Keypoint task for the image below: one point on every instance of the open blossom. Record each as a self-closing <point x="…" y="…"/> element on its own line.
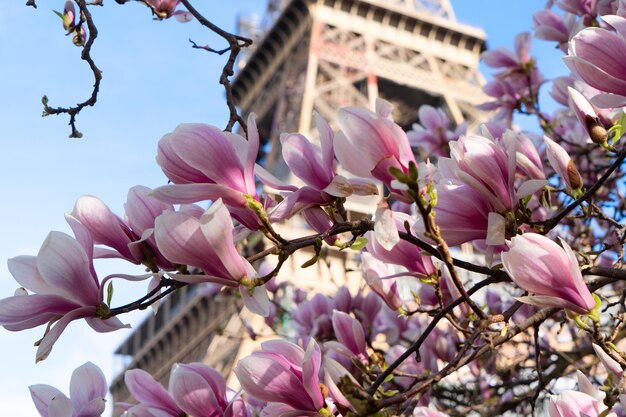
<point x="370" y="143"/>
<point x="377" y="276"/>
<point x="313" y="317"/>
<point x="88" y="389"/>
<point x="462" y="214"/>
<point x="205" y="163"/>
<point x="403" y="253"/>
<point x="547" y="271"/>
<point x="315" y="166"/>
<point x="200" y="391"/>
<point x="131" y="239"/>
<point x="65" y="288"/>
<point x="507" y="59"/>
<point x="592" y="57"/>
<point x="285" y="376"/>
<point x="505" y="99"/>
<point x="152" y="397"/>
<point x="432" y="134"/>
<point x="207" y="242"/>
<point x="550" y="26"/>
<point x="487" y="167"/>
<point x="195" y="389"/>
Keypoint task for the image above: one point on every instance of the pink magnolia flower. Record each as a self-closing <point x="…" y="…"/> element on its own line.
<point x="549" y="272"/>
<point x="195" y="389"/>
<point x="573" y="404"/>
<point x="370" y="143"/>
<point x="428" y="412"/>
<point x="401" y="253"/>
<point x="285" y="376"/>
<point x="366" y="308"/>
<point x="315" y="166"/>
<point x="65" y="288"/>
<point x="133" y="238"/>
<point x="433" y="134"/>
<point x="165" y="9"/>
<point x="380" y="280"/>
<point x="578" y="7"/>
<point x="152" y="397"/>
<point x="610" y="364"/>
<point x="507" y="59"/>
<point x="550" y="26"/>
<point x="462" y="213"/>
<point x="411" y="366"/>
<point x="592" y="57"/>
<point x="518" y="78"/>
<point x="88" y="389"/>
<point x="313" y="317"/>
<point x="205" y="163"/>
<point x="486" y="166"/>
<point x="200" y="391"/>
<point x="69" y="16"/>
<point x="349" y="333"/>
<point x="207" y="242"/>
<point x="505" y="99"/>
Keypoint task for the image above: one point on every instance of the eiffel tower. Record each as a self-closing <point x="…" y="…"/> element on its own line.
<point x="317" y="55"/>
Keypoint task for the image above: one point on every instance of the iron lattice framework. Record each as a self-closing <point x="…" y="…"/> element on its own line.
<point x="324" y="54"/>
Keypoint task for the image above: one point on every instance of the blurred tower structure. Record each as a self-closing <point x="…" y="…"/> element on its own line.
<point x="316" y="55"/>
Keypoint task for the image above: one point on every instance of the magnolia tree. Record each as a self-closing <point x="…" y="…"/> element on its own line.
<point x="535" y="320"/>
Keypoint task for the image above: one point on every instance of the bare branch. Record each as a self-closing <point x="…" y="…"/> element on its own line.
<point x="85" y="17"/>
<point x="235" y="43"/>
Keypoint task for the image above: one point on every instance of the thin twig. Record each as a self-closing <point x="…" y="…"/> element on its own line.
<point x="553" y="221"/>
<point x="97" y="74"/>
<point x="235" y="43"/>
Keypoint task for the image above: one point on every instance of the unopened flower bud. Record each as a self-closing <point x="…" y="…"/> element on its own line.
<point x="575" y="180"/>
<point x="587" y="115"/>
<point x="597" y="132"/>
<point x="68" y="17"/>
<point x="80" y="36"/>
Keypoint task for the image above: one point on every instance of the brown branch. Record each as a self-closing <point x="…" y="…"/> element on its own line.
<point x="613" y="273"/>
<point x="147" y="300"/>
<point x="457" y="262"/>
<point x="235" y="43"/>
<point x="85" y="17"/>
<point x="414" y="348"/>
<point x="462" y="359"/>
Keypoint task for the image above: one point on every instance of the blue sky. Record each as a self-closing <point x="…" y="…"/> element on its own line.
<point x="152" y="82"/>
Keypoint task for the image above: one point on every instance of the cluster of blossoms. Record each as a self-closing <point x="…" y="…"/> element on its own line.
<point x="389" y="347"/>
